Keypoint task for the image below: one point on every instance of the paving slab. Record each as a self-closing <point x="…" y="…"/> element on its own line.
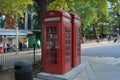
<point x="82" y="76"/>
<point x="104" y="71"/>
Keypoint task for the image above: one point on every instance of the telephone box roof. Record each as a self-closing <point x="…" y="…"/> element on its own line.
<point x="53" y="13"/>
<point x="73" y="14"/>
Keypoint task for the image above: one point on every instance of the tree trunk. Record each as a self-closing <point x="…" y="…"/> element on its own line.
<point x="95" y="30"/>
<point x="41" y="7"/>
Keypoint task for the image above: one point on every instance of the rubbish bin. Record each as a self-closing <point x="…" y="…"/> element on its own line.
<point x="23" y="70"/>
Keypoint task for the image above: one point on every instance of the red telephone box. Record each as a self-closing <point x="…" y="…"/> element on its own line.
<point x="56" y="49"/>
<point x="76" y="39"/>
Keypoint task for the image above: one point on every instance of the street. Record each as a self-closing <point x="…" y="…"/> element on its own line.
<point x="105" y="50"/>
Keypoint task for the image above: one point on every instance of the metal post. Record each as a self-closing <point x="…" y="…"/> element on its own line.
<point x="17" y="33"/>
<point x="34" y="51"/>
<point x="17" y="38"/>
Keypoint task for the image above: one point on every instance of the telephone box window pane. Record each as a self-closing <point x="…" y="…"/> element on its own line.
<point x="55" y="58"/>
<point x="68" y="47"/>
<point x="55" y="29"/>
<point x="77" y="41"/>
<point x="47" y="29"/>
<point x="67" y="29"/>
<point x="67" y="38"/>
<point x="51" y="44"/>
<point x="68" y="53"/>
<point x="67" y="41"/>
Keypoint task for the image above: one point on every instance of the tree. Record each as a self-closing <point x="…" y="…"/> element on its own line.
<point x="113" y="16"/>
<point x="91" y="11"/>
<point x="41" y="6"/>
<point x="12" y="7"/>
<point x="94" y="13"/>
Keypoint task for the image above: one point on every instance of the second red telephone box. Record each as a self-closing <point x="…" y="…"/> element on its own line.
<point x="56" y="41"/>
<point x="76" y="39"/>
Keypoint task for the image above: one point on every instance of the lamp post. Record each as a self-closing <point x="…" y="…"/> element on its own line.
<point x="17" y="33"/>
<point x="17" y="38"/>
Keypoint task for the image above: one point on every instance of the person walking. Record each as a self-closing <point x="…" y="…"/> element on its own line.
<point x="108" y="38"/>
<point x="38" y="44"/>
<point x="98" y="39"/>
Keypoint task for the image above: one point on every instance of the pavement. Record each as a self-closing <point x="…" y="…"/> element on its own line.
<point x="89" y="44"/>
<point x="99" y="68"/>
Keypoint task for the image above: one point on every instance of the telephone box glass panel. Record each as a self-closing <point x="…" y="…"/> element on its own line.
<point x="51" y="45"/>
<point x="77" y="41"/>
<point x="67" y="38"/>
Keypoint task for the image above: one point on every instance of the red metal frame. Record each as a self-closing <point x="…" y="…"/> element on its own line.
<point x="76" y="39"/>
<point x="56" y="51"/>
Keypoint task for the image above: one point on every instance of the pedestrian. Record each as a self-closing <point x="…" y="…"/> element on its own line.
<point x="38" y="44"/>
<point x="20" y="46"/>
<point x="108" y="38"/>
<point x="118" y="36"/>
<point x="98" y="39"/>
<point x="83" y="40"/>
<point x="115" y="40"/>
<point x="5" y="47"/>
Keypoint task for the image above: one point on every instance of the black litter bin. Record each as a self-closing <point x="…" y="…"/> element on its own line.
<point x="23" y="70"/>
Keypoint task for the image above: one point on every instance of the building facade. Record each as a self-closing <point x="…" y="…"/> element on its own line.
<point x="9" y="33"/>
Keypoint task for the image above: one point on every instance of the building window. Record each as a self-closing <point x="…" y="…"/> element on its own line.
<point x="2" y="21"/>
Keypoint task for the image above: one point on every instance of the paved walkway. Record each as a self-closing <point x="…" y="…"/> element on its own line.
<point x="99" y="70"/>
<point x="95" y="43"/>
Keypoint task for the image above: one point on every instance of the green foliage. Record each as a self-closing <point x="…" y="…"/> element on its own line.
<point x="14" y="6"/>
<point x="86" y="12"/>
<point x="113" y="1"/>
<point x="91" y="12"/>
<point x="117" y="7"/>
<point x="58" y="4"/>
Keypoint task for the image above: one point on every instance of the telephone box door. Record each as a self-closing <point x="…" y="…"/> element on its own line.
<point x="51" y="48"/>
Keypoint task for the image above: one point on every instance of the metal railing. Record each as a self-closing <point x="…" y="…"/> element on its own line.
<point x="8" y="59"/>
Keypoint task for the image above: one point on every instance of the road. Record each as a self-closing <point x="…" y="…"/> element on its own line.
<point x="105" y="50"/>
